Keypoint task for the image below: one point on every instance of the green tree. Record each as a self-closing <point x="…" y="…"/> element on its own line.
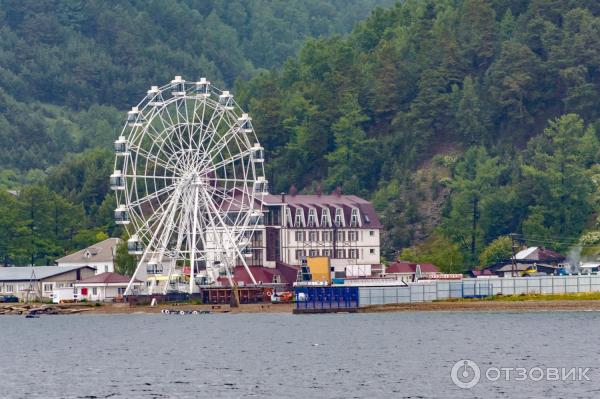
<point x="557" y="180"/>
<point x="124" y="263"/>
<point x="497" y="251"/>
<point x="470" y="117"/>
<point x="438" y="250"/>
<point x="475" y="178"/>
<point x="354" y="158"/>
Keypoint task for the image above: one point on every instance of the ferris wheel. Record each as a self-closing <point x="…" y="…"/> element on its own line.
<point x="188" y="179"/>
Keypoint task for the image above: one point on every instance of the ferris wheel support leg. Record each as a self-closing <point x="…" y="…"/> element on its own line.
<point x="193" y="243"/>
<point x="232" y="240"/>
<point x="150" y="244"/>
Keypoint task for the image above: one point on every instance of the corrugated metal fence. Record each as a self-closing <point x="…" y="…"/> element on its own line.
<point x="477" y="288"/>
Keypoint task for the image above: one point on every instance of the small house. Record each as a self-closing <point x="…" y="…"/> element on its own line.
<point x="33" y="283"/>
<point x="407" y="271"/>
<point x="103" y="287"/>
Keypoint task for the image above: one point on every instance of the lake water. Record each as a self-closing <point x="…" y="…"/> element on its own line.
<point x="391" y="355"/>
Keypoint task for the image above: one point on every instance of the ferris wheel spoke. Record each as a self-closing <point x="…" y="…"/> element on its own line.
<point x="151" y="196"/>
<point x="151" y="158"/>
<point x="216" y="115"/>
<point x="232" y="159"/>
<point x="165" y="143"/>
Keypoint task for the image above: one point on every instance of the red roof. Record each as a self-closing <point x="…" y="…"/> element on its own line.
<point x="287" y="274"/>
<point x="107" y="278"/>
<point x="408" y="267"/>
<point x="549" y="255"/>
<point x="484" y="272"/>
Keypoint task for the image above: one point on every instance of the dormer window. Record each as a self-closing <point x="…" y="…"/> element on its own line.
<point x="355" y="218"/>
<point x="299" y="218"/>
<point x="312" y="218"/>
<point x="339" y="217"/>
<point x="325" y="218"/>
<point x="288" y="217"/>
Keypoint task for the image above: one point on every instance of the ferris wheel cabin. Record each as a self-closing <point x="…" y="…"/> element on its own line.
<point x="261" y="186"/>
<point x="226" y="100"/>
<point x="245" y="123"/>
<point x="117" y="181"/>
<point x="134" y="246"/>
<point x="122" y="215"/>
<point x="178" y="88"/>
<point x="257" y="153"/>
<point x="121" y="146"/>
<point x="134" y="117"/>
<point x="202" y="88"/>
<point x="153" y="96"/>
<point x="153" y="267"/>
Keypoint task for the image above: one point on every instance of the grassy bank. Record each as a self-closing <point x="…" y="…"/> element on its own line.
<point x="582" y="296"/>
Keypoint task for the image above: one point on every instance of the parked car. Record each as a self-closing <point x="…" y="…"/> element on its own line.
<point x="532" y="271"/>
<point x="8" y="298"/>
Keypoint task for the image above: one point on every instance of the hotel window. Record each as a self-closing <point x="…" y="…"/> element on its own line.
<point x="341" y="254"/>
<point x="339" y="217"/>
<point x="353" y="253"/>
<point x="299" y="218"/>
<point x="47" y="287"/>
<point x="313" y="252"/>
<point x="354" y="218"/>
<point x="300" y="254"/>
<point x="313" y="236"/>
<point x="312" y="218"/>
<point x="353" y="235"/>
<point x="300" y="236"/>
<point x="327" y="252"/>
<point x="326" y="236"/>
<point x="341" y="236"/>
<point x="325" y="218"/>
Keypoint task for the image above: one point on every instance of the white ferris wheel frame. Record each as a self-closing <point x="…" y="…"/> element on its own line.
<point x="188" y="179"/>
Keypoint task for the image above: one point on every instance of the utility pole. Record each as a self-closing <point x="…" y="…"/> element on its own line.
<point x="514" y="258"/>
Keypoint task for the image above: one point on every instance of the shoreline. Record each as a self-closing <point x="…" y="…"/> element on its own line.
<point x="490" y="306"/>
<point x="287" y="308"/>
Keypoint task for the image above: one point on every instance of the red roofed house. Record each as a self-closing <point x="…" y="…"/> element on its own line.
<point x="103" y="287"/>
<point x="283" y="274"/>
<point x="406" y="271"/>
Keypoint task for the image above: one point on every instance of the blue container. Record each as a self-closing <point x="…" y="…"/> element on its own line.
<point x="326" y="297"/>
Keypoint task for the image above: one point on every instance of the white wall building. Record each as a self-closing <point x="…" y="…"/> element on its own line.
<point x="103" y="287"/>
<point x="100" y="256"/>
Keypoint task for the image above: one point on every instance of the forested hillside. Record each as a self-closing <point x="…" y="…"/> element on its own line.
<point x="67" y="66"/>
<point x="463" y="120"/>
